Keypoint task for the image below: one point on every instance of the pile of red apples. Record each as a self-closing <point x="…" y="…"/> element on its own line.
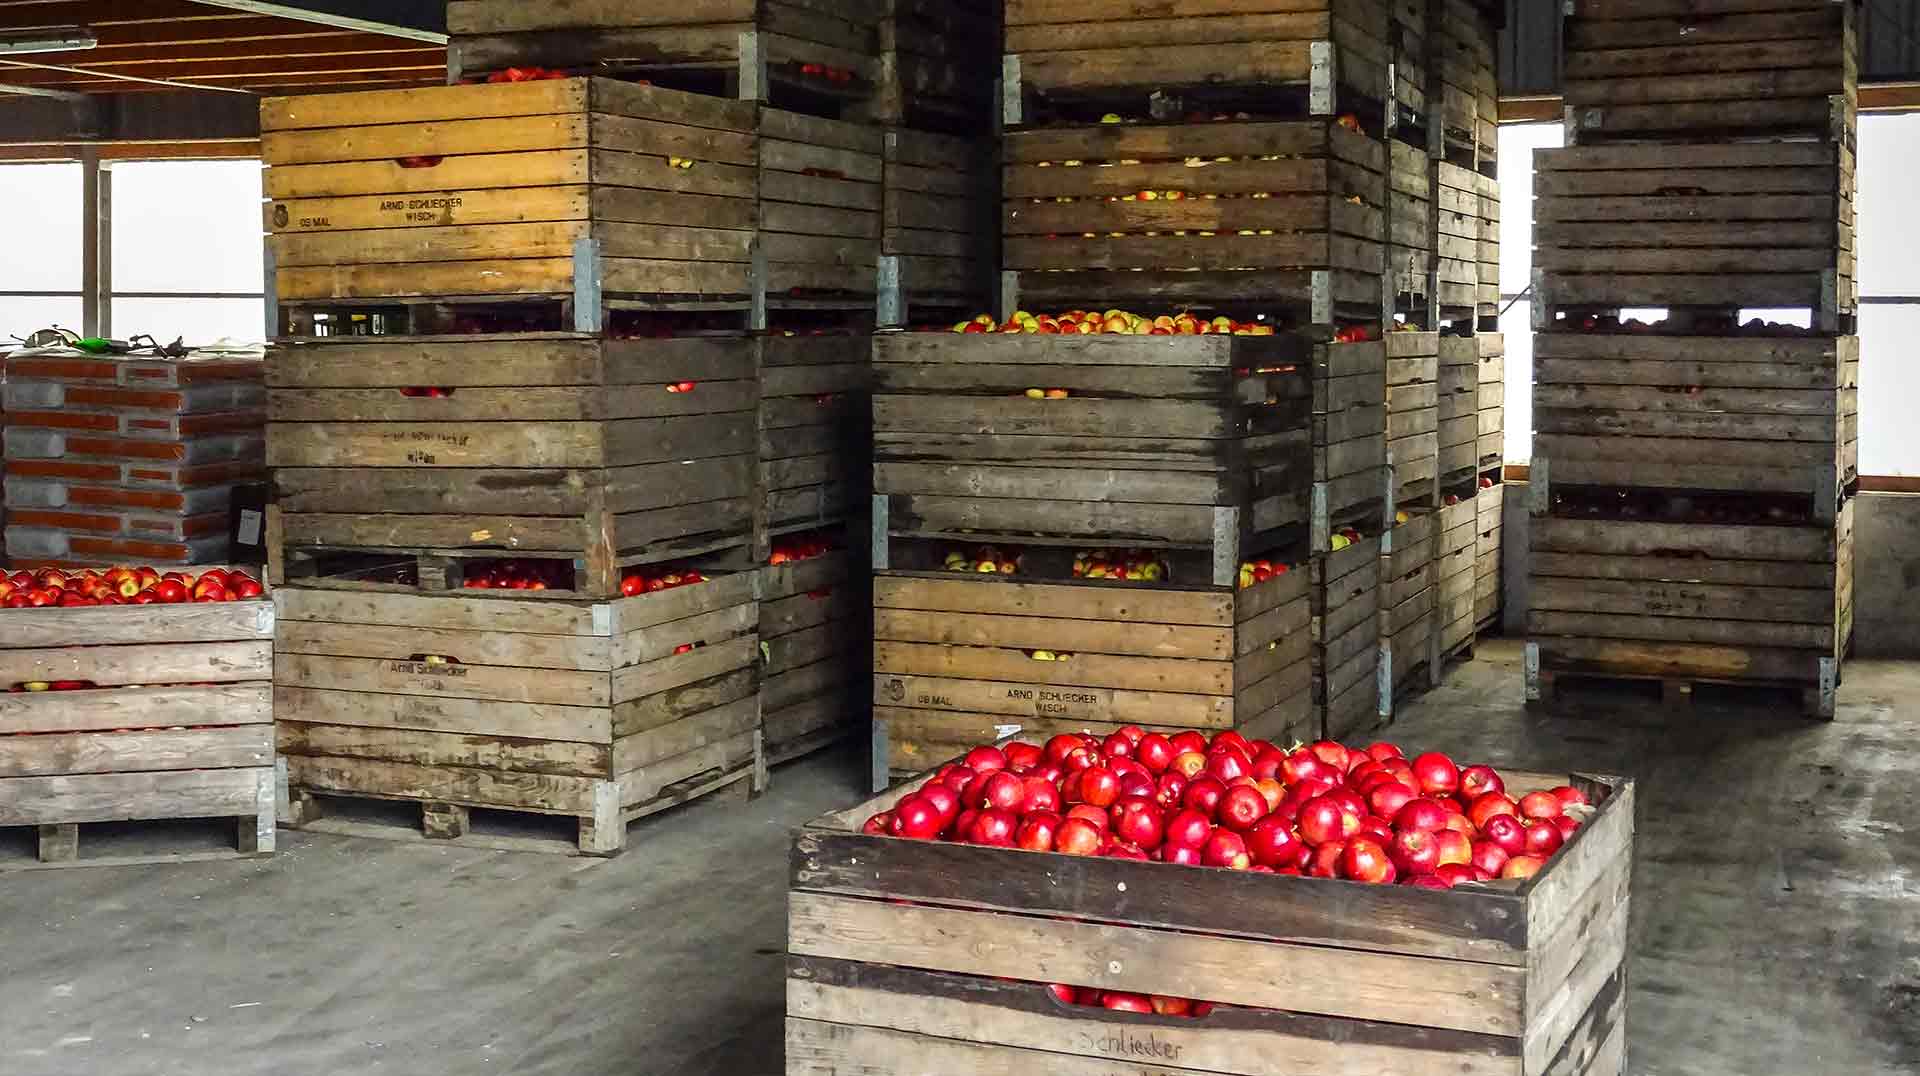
<point x="1322" y="810"/>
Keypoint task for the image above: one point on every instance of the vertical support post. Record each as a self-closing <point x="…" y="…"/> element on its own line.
<point x="757" y="315"/>
<point x="1322" y="96"/>
<point x="882" y="511"/>
<point x="59" y="843"/>
<point x="589" y="306"/>
<point x="604" y="832"/>
<point x="877" y="772"/>
<point x="270" y="295"/>
<point x="1009" y="293"/>
<point x="1226" y="546"/>
<point x="256" y="830"/>
<point x="753" y="67"/>
<point x="1320" y="525"/>
<point x="1531" y="667"/>
<point x="1829" y="685"/>
<point x="1012" y="103"/>
<point x="96" y="244"/>
<point x="1383" y="682"/>
<point x="1539" y="487"/>
<point x="1322" y="301"/>
<point x="456" y="62"/>
<point x="892" y="307"/>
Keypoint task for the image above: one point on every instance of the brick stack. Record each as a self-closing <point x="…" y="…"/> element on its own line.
<point x="128" y="459"/>
<point x="1691" y="498"/>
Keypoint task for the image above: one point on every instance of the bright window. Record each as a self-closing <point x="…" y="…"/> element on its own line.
<point x="42" y="245"/>
<point x="188" y="258"/>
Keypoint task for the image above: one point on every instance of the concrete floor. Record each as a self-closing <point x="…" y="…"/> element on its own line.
<point x="1776" y="919"/>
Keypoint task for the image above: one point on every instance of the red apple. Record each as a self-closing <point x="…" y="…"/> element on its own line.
<point x="879" y="825"/>
<point x="1366" y="861"/>
<point x="1116" y="746"/>
<point x="1568" y="826"/>
<point x="1331" y="753"/>
<point x="1189" y="740"/>
<point x="1154" y="752"/>
<point x="1039" y="794"/>
<point x="1267" y="764"/>
<point x="1078" y="837"/>
<point x="1383" y="751"/>
<point x="1133" y="733"/>
<point x="1388" y="797"/>
<point x="1455" y="847"/>
<point x="1273" y="791"/>
<point x="1325" y="862"/>
<point x="1420" y="814"/>
<point x="1505" y="830"/>
<point x="1241" y="807"/>
<point x="1086" y="812"/>
<point x="1234" y="740"/>
<point x="942" y="798"/>
<point x="1540" y="805"/>
<point x="1477" y="781"/>
<point x="1322" y="821"/>
<point x="996" y="827"/>
<point x="1489" y="805"/>
<point x="1189" y="764"/>
<point x="1003" y="791"/>
<point x="1171" y="792"/>
<point x="1204" y="794"/>
<point x="1301" y="765"/>
<point x="1437" y="774"/>
<point x="917" y="819"/>
<point x="1099" y="787"/>
<point x="985" y="760"/>
<point x="1543" y="837"/>
<point x="1138" y="822"/>
<point x="1228" y="763"/>
<point x="1023" y="756"/>
<point x="1522" y="867"/>
<point x="1061" y="746"/>
<point x="1272" y="844"/>
<point x="1413" y="851"/>
<point x="1171" y="1006"/>
<point x="1570" y="796"/>
<point x="1226" y="849"/>
<point x="1037" y="831"/>
<point x="1189" y="829"/>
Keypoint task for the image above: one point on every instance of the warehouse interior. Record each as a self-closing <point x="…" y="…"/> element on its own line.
<point x="290" y="190"/>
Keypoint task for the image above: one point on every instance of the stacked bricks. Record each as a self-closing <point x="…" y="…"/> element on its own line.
<point x="116" y="459"/>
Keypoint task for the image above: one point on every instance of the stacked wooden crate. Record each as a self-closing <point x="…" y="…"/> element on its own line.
<point x="820" y="210"/>
<point x="1351" y="507"/>
<point x="111" y="459"/>
<point x="1464" y="89"/>
<point x="939" y="227"/>
<point x="922" y="957"/>
<point x="1467" y="254"/>
<point x="756" y="50"/>
<point x="1192" y="449"/>
<point x="1457" y="534"/>
<point x="814" y="610"/>
<point x="935" y="70"/>
<point x="155" y="712"/>
<point x="1692" y="477"/>
<point x="517" y="488"/>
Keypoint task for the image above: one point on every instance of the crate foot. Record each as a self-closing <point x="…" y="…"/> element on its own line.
<point x="59" y="843"/>
<point x="445" y="821"/>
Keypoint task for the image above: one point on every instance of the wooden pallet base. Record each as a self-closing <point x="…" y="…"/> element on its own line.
<point x="818" y="740"/>
<point x="452" y="823"/>
<point x="58" y="846"/>
<point x="1676" y="693"/>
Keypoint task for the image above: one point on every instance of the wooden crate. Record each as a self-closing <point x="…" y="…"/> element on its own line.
<point x="936" y="70"/>
<point x="1682" y="412"/>
<point x="939" y="224"/>
<point x="1409" y="598"/>
<point x="1463" y="88"/>
<point x="1411" y="231"/>
<point x="179" y="726"/>
<point x="1413" y="416"/>
<point x="915" y="956"/>
<point x="953" y="661"/>
<point x="576" y="709"/>
<point x="1736" y="68"/>
<point x="1686" y="602"/>
<point x="755" y="50"/>
<point x="1467" y="248"/>
<point x="820" y="206"/>
<point x="546" y="445"/>
<point x="815" y="443"/>
<point x="1457" y="532"/>
<point x="814" y="624"/>
<point x="1321" y="57"/>
<point x="1746" y="225"/>
<point x="1195" y="442"/>
<point x="1346" y="639"/>
<point x="1492" y="393"/>
<point x="1489" y="525"/>
<point x="1410" y="44"/>
<point x="1351" y="431"/>
<point x="1459" y="408"/>
<point x="1078" y="232"/>
<point x="557" y="188"/>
